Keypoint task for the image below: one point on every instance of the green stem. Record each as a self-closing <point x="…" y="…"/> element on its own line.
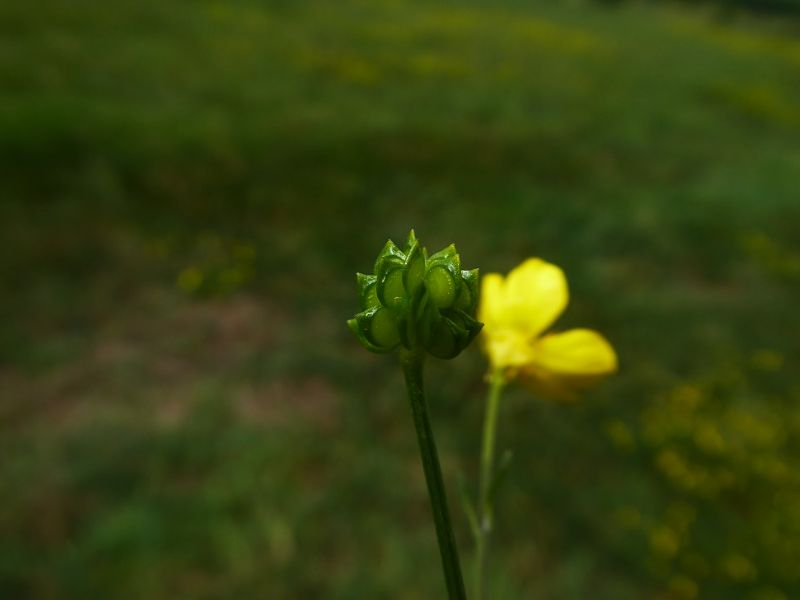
<point x="412" y="370"/>
<point x="485" y="521"/>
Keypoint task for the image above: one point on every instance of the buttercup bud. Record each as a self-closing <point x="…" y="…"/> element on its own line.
<point x="418" y="302"/>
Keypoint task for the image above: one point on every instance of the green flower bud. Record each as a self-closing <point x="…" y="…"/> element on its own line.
<point x="417" y="302"/>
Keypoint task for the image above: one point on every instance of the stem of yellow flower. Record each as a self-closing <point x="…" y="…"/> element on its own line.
<point x="496" y="384"/>
<point x="412" y="370"/>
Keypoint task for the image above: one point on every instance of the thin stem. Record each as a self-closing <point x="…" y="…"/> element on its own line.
<point x="485" y="517"/>
<point x="412" y="370"/>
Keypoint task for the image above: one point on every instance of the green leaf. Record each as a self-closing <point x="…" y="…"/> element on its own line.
<point x="469" y="507"/>
<point x="500" y="473"/>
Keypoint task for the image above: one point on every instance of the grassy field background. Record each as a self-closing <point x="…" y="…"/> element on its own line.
<point x="186" y="191"/>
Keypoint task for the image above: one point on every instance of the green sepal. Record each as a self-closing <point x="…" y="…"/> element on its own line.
<point x="367" y="293"/>
<point x="389" y="272"/>
<point x="390" y="288"/>
<point x="414" y="319"/>
<point x="417" y="301"/>
<point x="469" y="323"/>
<point x="390" y="256"/>
<point x="405" y="328"/>
<point x="455" y="332"/>
<point x="361" y="325"/>
<point x="444" y="342"/>
<point x="355" y="326"/>
<point x="446" y="253"/>
<point x="411" y="240"/>
<point x="468" y="298"/>
<point x="443" y="286"/>
<point x="383" y="331"/>
<point x="428" y="317"/>
<point x="414" y="272"/>
<point x="448" y="257"/>
<point x="445" y="291"/>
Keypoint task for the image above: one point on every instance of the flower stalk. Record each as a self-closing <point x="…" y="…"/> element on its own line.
<point x="486" y="482"/>
<point x="412" y="364"/>
<point x="421" y="304"/>
<point x="516" y="311"/>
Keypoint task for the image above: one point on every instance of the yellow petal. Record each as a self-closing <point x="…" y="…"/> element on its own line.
<point x="564" y="363"/>
<point x="580" y="352"/>
<point x="535" y="294"/>
<point x="507" y="348"/>
<point x="492" y="300"/>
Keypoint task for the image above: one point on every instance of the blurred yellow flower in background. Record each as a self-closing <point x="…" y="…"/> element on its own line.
<point x="516" y="310"/>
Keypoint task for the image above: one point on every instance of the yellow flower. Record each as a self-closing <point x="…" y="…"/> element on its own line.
<point x="517" y="310"/>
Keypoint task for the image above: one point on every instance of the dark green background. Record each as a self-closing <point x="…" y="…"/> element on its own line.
<point x="186" y="191"/>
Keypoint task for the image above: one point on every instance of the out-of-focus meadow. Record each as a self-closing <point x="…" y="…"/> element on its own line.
<point x="186" y="192"/>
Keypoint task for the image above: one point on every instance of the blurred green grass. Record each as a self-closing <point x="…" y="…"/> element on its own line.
<point x="187" y="189"/>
